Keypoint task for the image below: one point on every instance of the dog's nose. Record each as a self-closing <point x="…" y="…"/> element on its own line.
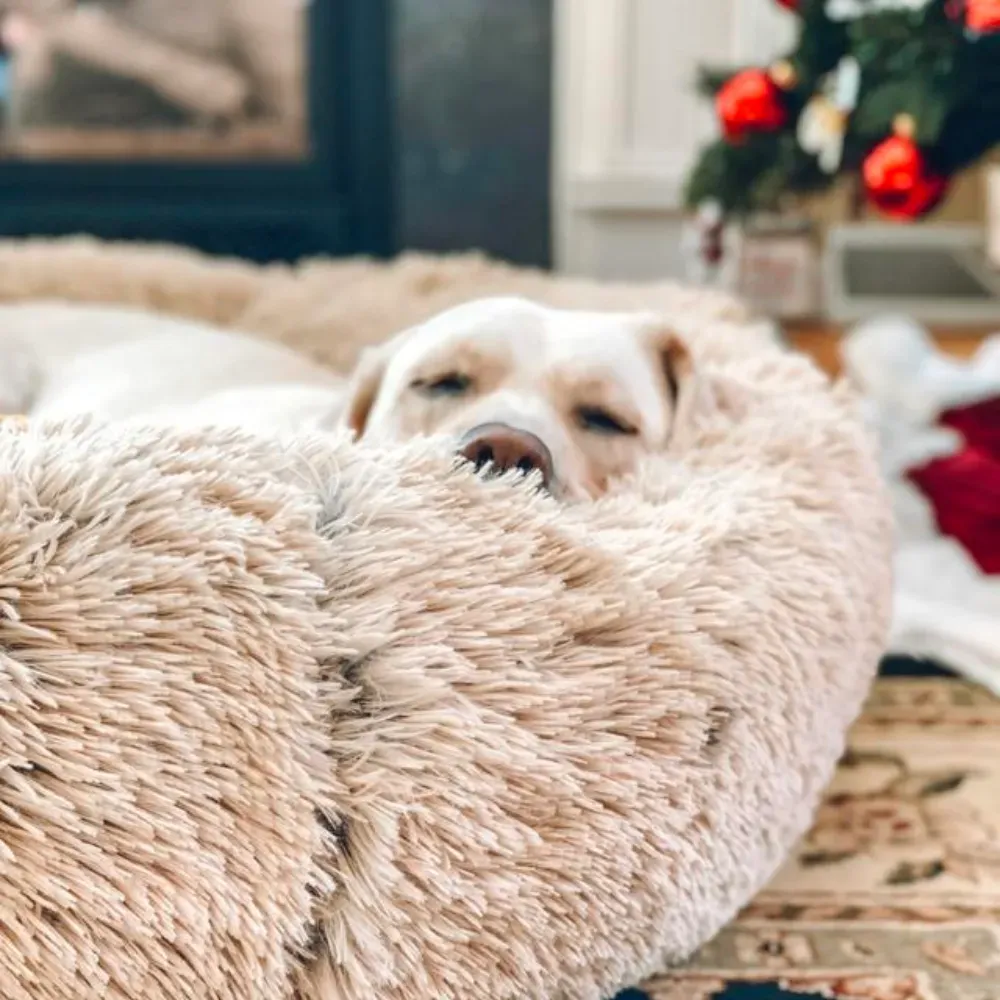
<point x="504" y="448"/>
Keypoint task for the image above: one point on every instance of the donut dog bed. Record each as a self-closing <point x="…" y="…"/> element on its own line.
<point x="311" y="719"/>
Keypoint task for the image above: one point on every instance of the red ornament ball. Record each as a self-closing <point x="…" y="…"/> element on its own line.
<point x="898" y="181"/>
<point x="982" y="16"/>
<point x="750" y="102"/>
<point x="795" y="5"/>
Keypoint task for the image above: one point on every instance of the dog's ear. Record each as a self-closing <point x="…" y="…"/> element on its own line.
<point x="690" y="396"/>
<point x="363" y="388"/>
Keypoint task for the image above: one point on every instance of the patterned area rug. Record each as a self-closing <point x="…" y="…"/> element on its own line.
<point x="895" y="895"/>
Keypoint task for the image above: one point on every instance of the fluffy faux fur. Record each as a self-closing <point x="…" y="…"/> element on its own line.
<point x="307" y="719"/>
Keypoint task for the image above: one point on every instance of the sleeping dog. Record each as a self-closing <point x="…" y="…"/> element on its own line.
<point x="576" y="397"/>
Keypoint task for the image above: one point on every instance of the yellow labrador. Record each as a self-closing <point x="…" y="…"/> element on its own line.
<point x="578" y="397"/>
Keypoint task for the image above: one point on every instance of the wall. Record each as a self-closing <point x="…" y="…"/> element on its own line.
<point x="474" y="125"/>
<point x="629" y="122"/>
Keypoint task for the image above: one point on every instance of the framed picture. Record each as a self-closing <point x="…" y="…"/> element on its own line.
<point x="251" y="127"/>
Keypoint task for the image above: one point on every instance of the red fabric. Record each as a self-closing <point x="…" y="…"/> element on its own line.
<point x="964" y="489"/>
<point x="979" y="424"/>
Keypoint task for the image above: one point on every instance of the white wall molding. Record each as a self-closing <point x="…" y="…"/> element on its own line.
<point x="761" y="31"/>
<point x="656" y="190"/>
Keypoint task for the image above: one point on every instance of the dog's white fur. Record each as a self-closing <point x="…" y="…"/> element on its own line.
<point x="60" y="360"/>
<point x="534" y="368"/>
<point x="540" y="370"/>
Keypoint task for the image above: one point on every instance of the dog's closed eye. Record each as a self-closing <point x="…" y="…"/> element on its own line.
<point x="450" y="384"/>
<point x="597" y="420"/>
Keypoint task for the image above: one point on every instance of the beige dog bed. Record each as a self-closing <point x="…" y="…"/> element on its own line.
<point x="319" y="721"/>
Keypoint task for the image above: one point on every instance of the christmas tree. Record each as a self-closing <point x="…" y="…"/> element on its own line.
<point x="902" y="94"/>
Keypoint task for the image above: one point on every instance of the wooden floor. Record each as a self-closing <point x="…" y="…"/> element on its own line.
<point x="821" y="341"/>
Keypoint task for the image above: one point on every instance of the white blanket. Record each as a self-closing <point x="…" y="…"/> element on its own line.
<point x="945" y="608"/>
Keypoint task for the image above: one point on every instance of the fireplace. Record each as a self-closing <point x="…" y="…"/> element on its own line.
<point x="258" y="128"/>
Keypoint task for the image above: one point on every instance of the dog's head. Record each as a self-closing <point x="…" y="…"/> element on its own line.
<point x="580" y="397"/>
